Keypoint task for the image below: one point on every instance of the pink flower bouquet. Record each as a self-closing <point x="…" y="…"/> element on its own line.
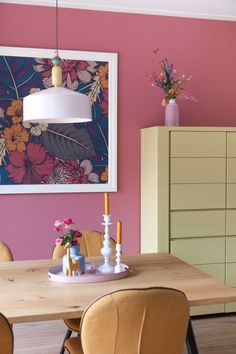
<point x="71" y="236"/>
<point x="171" y="83"/>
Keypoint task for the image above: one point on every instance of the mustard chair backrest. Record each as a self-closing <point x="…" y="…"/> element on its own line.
<point x="6" y="336"/>
<point x="90" y="245"/>
<point x="5" y="252"/>
<point x="145" y="321"/>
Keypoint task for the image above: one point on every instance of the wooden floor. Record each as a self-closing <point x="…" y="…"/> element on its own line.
<point x="214" y="335"/>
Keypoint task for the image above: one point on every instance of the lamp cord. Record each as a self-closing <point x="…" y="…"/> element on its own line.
<point x="56" y="27"/>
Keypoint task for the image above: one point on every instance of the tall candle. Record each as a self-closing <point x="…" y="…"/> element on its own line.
<point x="119" y="230"/>
<point x="106" y="199"/>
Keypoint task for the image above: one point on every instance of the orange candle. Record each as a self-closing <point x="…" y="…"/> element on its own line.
<point x="106" y="199"/>
<point x="119" y="230"/>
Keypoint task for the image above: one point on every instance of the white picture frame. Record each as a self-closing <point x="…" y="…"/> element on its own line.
<point x="66" y="55"/>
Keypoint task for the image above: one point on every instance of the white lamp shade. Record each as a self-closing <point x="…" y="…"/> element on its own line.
<point x="57" y="105"/>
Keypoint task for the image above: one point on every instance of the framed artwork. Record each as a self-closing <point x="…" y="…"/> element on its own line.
<point x="57" y="158"/>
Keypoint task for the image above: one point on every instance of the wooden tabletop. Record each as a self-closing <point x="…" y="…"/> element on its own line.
<point x="27" y="295"/>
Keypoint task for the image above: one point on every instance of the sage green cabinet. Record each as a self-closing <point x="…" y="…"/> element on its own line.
<point x="188" y="199"/>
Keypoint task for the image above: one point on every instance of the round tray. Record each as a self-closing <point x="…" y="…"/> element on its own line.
<point x="92" y="274"/>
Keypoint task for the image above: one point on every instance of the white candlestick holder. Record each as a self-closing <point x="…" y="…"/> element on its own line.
<point x="118" y="267"/>
<point x="106" y="250"/>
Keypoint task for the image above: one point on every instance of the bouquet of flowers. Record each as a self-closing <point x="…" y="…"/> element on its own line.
<point x="71" y="236"/>
<point x="170" y="83"/>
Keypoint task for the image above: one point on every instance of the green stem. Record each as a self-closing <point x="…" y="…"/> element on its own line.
<point x="103" y="136"/>
<point x="27" y="80"/>
<point x="12" y="77"/>
<point x="83" y="88"/>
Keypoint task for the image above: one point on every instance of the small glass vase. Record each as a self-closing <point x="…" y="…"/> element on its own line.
<point x="172" y="113"/>
<point x="75" y="259"/>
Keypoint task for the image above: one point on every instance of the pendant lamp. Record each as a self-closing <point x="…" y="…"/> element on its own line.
<point x="57" y="104"/>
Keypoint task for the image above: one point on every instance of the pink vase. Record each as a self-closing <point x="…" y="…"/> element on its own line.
<point x="172" y="113"/>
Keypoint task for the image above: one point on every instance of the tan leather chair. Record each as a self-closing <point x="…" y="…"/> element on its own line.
<point x="91" y="243"/>
<point x="6" y="336"/>
<point x="132" y="321"/>
<point x="5" y="252"/>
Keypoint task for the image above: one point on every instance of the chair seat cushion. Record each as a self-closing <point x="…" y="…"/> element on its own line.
<point x="73" y="324"/>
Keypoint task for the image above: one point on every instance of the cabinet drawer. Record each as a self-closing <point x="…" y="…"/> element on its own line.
<point x="230" y="222"/>
<point x="230" y="307"/>
<point x="206" y="310"/>
<point x="214" y="270"/>
<point x="200" y="251"/>
<point x="231" y="274"/>
<point x="198" y="144"/>
<point x="231" y="195"/>
<point x="231" y="170"/>
<point x="197" y="223"/>
<point x="231" y="281"/>
<point x="197" y="196"/>
<point x="231" y="144"/>
<point x="230" y="249"/>
<point x="198" y="170"/>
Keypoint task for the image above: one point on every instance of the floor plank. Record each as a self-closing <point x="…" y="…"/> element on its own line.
<point x="39" y="337"/>
<point x="214" y="335"/>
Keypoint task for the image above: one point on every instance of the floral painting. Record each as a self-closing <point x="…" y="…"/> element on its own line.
<point x="40" y="157"/>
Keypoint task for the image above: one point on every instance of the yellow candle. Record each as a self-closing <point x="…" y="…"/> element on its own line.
<point x="119" y="230"/>
<point x="106" y="199"/>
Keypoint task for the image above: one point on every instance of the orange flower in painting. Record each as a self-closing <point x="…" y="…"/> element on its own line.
<point x="16" y="137"/>
<point x="15" y="110"/>
<point x="104" y="175"/>
<point x="103" y="75"/>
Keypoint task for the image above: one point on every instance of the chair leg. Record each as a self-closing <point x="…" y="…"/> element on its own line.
<point x="68" y="334"/>
<point x="190" y="340"/>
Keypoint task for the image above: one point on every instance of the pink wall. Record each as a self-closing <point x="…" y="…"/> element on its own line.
<point x="203" y="48"/>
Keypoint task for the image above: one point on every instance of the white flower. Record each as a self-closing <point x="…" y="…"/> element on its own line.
<point x="34" y="89"/>
<point x="87" y="166"/>
<point x="36" y="129"/>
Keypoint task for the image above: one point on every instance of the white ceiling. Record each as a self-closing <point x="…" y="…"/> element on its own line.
<point x="206" y="9"/>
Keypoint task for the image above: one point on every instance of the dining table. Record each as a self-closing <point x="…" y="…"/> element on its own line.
<point x="28" y="294"/>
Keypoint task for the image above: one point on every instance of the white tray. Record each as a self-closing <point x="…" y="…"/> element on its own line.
<point x="91" y="275"/>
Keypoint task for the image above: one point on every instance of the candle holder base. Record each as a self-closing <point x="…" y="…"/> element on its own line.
<point x="118" y="268"/>
<point x="106" y="268"/>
